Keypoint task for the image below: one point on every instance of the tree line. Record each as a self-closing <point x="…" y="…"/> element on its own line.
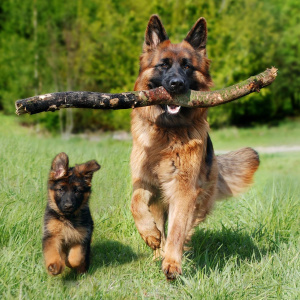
<point x="72" y="45"/>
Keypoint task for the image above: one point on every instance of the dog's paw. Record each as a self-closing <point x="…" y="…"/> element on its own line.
<point x="55" y="268"/>
<point x="153" y="242"/>
<point x="171" y="269"/>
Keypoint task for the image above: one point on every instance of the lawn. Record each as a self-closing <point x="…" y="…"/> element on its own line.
<point x="248" y="248"/>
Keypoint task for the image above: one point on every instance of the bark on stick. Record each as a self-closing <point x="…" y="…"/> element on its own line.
<point x="95" y="100"/>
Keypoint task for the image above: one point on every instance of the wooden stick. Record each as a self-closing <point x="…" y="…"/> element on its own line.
<point x="56" y="101"/>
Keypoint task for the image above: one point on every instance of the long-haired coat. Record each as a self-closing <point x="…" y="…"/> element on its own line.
<point x="175" y="173"/>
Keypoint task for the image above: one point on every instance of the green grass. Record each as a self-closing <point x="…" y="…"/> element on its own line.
<point x="288" y="133"/>
<point x="248" y="248"/>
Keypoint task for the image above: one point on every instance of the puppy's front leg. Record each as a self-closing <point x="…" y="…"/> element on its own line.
<point x="78" y="258"/>
<point x="53" y="260"/>
<point x="143" y="218"/>
<point x="181" y="214"/>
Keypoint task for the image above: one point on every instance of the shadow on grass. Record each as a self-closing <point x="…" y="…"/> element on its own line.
<point x="214" y="249"/>
<point x="104" y="254"/>
<point x="111" y="253"/>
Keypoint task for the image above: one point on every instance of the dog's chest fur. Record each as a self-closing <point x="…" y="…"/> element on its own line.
<point x="165" y="155"/>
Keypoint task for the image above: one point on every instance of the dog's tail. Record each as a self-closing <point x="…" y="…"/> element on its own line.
<point x="236" y="170"/>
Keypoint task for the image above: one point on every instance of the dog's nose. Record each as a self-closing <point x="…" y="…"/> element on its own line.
<point x="176" y="83"/>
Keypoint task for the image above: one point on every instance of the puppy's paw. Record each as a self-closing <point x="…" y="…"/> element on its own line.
<point x="171" y="269"/>
<point x="82" y="269"/>
<point x="55" y="268"/>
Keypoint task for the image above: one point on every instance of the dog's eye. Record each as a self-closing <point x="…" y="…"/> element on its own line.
<point x="186" y="67"/>
<point x="164" y="65"/>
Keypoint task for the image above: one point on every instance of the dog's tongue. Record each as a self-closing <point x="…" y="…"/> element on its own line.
<point x="173" y="109"/>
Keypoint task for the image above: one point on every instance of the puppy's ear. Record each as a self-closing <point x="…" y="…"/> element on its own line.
<point x="87" y="170"/>
<point x="198" y="35"/>
<point x="155" y="34"/>
<point x="59" y="167"/>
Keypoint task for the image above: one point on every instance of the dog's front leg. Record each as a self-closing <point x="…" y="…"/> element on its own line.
<point x="181" y="215"/>
<point x="143" y="218"/>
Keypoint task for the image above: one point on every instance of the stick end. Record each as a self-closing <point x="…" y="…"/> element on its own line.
<point x="274" y="71"/>
<point x="20" y="109"/>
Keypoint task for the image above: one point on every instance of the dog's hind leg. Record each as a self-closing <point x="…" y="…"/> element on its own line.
<point x="143" y="195"/>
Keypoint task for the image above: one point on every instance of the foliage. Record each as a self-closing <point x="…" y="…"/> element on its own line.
<point x="49" y="46"/>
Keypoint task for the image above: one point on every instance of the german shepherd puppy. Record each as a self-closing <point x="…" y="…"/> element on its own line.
<point x="176" y="175"/>
<point x="68" y="224"/>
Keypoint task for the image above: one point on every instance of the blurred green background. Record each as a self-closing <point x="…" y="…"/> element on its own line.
<point x="50" y="46"/>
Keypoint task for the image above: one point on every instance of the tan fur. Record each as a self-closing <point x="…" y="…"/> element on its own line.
<point x="55" y="257"/>
<point x="63" y="230"/>
<point x="166" y="166"/>
<point x="171" y="178"/>
<point x="76" y="258"/>
<point x="54" y="261"/>
<point x="51" y="201"/>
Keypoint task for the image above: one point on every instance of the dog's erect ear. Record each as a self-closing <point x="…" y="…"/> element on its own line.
<point x="155" y="34"/>
<point x="198" y="35"/>
<point x="59" y="167"/>
<point x="87" y="170"/>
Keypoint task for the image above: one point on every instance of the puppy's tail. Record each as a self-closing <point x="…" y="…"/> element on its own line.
<point x="236" y="170"/>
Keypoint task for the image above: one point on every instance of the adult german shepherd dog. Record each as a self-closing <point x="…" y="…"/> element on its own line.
<point x="176" y="175"/>
<point x="68" y="223"/>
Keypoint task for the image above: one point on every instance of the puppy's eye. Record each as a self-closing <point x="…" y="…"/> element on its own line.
<point x="186" y="67"/>
<point x="76" y="191"/>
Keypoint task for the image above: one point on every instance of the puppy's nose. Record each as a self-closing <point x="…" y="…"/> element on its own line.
<point x="68" y="205"/>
